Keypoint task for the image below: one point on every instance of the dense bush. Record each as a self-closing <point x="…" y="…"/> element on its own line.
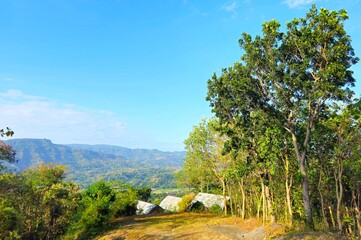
<point x="94" y="210"/>
<point x="102" y="202"/>
<point x="185" y="203"/>
<point x="125" y="203"/>
<point x="144" y="194"/>
<point x="216" y="209"/>
<point x="11" y="222"/>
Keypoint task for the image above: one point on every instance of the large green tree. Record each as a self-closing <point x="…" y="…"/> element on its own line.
<point x="291" y="76"/>
<point x="204" y="160"/>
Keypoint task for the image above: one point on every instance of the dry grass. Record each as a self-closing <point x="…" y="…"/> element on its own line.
<point x="199" y="226"/>
<point x="180" y="226"/>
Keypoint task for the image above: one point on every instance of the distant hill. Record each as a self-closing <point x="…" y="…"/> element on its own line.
<point x="89" y="163"/>
<point x="152" y="157"/>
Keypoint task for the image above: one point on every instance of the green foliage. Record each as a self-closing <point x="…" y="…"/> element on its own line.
<point x="185" y="203"/>
<point x="144" y="194"/>
<point x="99" y="190"/>
<point x="6" y="132"/>
<point x="44" y="175"/>
<point x="286" y="83"/>
<point x="100" y="203"/>
<point x="11" y="223"/>
<point x="216" y="209"/>
<point x="38" y="201"/>
<point x="204" y="165"/>
<point x="95" y="215"/>
<point x="125" y="203"/>
<point x="95" y="210"/>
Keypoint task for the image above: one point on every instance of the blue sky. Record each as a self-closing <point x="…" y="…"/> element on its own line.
<point x="125" y="72"/>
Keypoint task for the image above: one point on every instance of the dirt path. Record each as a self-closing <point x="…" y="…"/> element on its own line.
<point x="185" y="226"/>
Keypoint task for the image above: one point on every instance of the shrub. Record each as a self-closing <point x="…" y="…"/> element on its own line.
<point x="10" y="222"/>
<point x="216" y="209"/>
<point x="125" y="203"/>
<point x="94" y="212"/>
<point x="185" y="203"/>
<point x="144" y="194"/>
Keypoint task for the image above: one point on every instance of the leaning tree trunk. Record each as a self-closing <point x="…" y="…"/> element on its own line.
<point x="302" y="165"/>
<point x="331" y="216"/>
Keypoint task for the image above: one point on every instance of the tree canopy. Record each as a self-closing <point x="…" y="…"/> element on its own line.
<point x="293" y="77"/>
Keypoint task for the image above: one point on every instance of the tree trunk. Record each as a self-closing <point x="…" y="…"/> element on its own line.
<point x="348" y="226"/>
<point x="306" y="197"/>
<point x="269" y="205"/>
<point x="224" y="197"/>
<point x="357" y="213"/>
<point x="289" y="203"/>
<point x="202" y="186"/>
<point x="331" y="215"/>
<point x="243" y="199"/>
<point x="259" y="202"/>
<point x="250" y="202"/>
<point x="322" y="202"/>
<point x="302" y="164"/>
<point x="230" y="194"/>
<point x="288" y="185"/>
<point x="264" y="206"/>
<point x="339" y="194"/>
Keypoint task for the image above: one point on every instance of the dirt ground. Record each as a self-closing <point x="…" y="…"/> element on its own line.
<point x="202" y="227"/>
<point x="189" y="226"/>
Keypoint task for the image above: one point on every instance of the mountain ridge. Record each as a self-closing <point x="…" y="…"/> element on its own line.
<point x="89" y="163"/>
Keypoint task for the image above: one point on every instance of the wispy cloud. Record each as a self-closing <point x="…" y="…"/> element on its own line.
<point x="39" y="117"/>
<point x="17" y="94"/>
<point x="230" y="7"/>
<point x="194" y="9"/>
<point x="297" y="3"/>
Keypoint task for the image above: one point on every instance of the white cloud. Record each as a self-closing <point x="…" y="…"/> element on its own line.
<point x="230" y="7"/>
<point x="38" y="117"/>
<point x="17" y="94"/>
<point x="297" y="3"/>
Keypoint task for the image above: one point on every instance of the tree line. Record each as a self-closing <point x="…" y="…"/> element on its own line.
<point x="285" y="140"/>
